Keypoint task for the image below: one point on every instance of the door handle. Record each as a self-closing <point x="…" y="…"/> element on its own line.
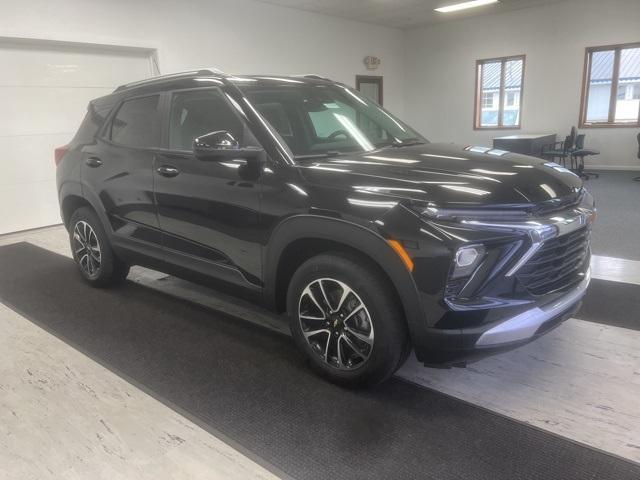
<point x="93" y="162"/>
<point x="168" y="171"/>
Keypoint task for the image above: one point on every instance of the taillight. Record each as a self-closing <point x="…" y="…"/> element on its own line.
<point x="59" y="153"/>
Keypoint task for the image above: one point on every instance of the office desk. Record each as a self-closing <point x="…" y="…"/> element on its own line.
<point x="530" y="144"/>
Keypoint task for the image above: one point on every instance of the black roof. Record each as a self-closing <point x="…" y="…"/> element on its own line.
<point x="198" y="78"/>
<point x="214" y="75"/>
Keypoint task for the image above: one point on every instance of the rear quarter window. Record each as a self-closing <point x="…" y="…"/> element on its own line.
<point x="93" y="121"/>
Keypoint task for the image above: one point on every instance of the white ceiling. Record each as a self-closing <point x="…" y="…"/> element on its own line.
<point x="400" y="13"/>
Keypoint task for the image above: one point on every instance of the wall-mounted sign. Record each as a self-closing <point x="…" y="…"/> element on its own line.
<point x="371" y="62"/>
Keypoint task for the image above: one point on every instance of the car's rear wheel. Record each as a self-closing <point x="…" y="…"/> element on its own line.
<point x="92" y="252"/>
<point x="345" y="317"/>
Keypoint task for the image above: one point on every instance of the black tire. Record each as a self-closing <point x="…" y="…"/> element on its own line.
<point x="108" y="269"/>
<point x="388" y="333"/>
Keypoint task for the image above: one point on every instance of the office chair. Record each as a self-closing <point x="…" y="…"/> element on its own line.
<point x="637" y="179"/>
<point x="559" y="150"/>
<point x="579" y="152"/>
<point x="574" y="133"/>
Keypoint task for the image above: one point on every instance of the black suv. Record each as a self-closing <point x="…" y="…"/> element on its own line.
<point x="305" y="195"/>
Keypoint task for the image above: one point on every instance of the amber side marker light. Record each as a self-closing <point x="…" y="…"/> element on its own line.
<point x="402" y="253"/>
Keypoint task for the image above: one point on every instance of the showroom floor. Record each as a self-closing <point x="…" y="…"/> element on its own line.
<point x="163" y="381"/>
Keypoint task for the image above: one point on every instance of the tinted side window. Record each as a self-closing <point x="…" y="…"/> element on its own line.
<point x="197" y="112"/>
<point x="136" y="123"/>
<point x="93" y="120"/>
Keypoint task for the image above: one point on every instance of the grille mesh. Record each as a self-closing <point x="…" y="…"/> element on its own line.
<point x="559" y="263"/>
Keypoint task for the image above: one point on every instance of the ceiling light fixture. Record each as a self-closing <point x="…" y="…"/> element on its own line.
<point x="464" y="5"/>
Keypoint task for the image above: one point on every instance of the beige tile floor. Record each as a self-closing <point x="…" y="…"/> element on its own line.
<point x="582" y="381"/>
<point x="64" y="416"/>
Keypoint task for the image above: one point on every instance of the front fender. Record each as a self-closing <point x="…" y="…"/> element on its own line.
<point x="357" y="237"/>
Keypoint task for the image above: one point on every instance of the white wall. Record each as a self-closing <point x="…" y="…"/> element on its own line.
<point x="238" y="36"/>
<point x="440" y="71"/>
<point x="44" y="93"/>
<point x="428" y="72"/>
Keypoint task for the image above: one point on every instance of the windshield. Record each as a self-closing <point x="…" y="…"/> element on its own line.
<point x="319" y="120"/>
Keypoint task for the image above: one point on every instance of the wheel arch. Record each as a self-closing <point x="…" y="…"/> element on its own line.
<point x="70" y="204"/>
<point x="302" y="236"/>
<point x="74" y="196"/>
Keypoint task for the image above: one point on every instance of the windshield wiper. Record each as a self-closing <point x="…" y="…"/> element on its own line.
<point x="318" y="155"/>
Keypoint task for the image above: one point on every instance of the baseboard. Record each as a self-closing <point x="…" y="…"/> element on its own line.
<point x="28" y="230"/>
<point x="628" y="168"/>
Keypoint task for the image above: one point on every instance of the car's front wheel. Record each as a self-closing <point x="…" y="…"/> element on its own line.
<point x="345" y="317"/>
<point x="92" y="252"/>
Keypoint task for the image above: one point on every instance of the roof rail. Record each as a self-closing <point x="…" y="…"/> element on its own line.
<point x="171" y="76"/>
<point x="212" y="71"/>
<point x="317" y="77"/>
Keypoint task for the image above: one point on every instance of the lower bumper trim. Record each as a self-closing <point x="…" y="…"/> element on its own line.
<point x="526" y="324"/>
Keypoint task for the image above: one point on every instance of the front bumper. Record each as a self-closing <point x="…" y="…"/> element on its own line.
<point x="461" y="346"/>
<point x="525" y="325"/>
<point x="532" y="276"/>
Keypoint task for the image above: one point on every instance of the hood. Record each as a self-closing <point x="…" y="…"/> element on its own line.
<point x="446" y="175"/>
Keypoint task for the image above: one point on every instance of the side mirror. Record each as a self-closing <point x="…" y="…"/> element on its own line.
<point x="220" y="146"/>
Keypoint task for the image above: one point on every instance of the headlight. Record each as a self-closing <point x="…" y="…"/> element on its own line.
<point x="467" y="260"/>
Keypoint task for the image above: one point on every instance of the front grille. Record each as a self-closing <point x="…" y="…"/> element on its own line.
<point x="559" y="263"/>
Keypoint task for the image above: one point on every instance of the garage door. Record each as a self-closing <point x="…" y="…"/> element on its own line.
<point x="44" y="91"/>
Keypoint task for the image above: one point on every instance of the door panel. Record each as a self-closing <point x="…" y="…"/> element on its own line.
<point x="123" y="184"/>
<point x="207" y="210"/>
<point x="120" y="176"/>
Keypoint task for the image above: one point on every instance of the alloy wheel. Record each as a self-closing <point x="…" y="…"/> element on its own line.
<point x="87" y="249"/>
<point x="336" y="324"/>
